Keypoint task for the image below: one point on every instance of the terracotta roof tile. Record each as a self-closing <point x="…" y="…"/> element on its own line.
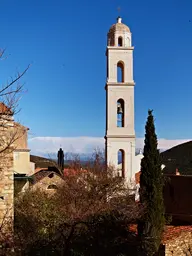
<point x="4" y="109"/>
<point x="171" y="232"/>
<point x="42" y="173"/>
<point x="137" y="177"/>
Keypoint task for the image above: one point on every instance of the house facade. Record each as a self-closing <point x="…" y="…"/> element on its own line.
<point x="21" y="152"/>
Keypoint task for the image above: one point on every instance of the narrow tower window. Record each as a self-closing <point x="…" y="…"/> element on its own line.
<point x="120" y="41"/>
<point x="120" y="72"/>
<point x="120" y="113"/>
<point x="121" y="163"/>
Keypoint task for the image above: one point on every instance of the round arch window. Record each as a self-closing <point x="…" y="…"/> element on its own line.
<point x="52" y="186"/>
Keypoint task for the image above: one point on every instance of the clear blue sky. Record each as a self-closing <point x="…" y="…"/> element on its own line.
<point x="66" y="40"/>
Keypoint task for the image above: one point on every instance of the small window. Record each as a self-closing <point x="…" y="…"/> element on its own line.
<point x="52" y="186"/>
<point x="120" y="41"/>
<point x="51" y="175"/>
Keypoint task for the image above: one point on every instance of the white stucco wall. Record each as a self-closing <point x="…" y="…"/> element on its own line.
<point x="120" y="137"/>
<point x="114" y="56"/>
<point x="22" y="162"/>
<point x="126" y="144"/>
<point x="114" y="93"/>
<point x="32" y="167"/>
<point x="137" y="162"/>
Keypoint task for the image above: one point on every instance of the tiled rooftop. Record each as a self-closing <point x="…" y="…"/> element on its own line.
<point x="170" y="233"/>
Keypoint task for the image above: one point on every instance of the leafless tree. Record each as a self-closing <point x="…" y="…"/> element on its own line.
<point x="10" y="132"/>
<point x="6" y="235"/>
<point x="88" y="204"/>
<point x="10" y="93"/>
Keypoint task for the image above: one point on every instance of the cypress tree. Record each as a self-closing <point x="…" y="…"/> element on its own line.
<point x="151" y="225"/>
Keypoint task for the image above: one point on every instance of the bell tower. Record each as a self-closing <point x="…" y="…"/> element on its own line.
<point x="120" y="132"/>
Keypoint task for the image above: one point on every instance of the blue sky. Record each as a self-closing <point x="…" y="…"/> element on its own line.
<point x="66" y="40"/>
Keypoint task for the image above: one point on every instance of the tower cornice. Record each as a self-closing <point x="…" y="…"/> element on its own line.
<point x="119" y="136"/>
<point x="120" y="48"/>
<point x="109" y="48"/>
<point x="119" y="85"/>
<point x="22" y="150"/>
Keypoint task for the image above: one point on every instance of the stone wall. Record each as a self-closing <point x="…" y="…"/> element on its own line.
<point x="180" y="245"/>
<point x="6" y="176"/>
<point x="6" y="203"/>
<point x="6" y="186"/>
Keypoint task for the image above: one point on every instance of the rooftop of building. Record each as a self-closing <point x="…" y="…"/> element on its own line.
<point x="170" y="232"/>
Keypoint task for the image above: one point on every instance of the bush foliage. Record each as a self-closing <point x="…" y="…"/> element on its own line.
<point x="89" y="214"/>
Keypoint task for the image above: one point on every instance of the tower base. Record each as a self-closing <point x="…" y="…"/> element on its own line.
<point x="125" y="167"/>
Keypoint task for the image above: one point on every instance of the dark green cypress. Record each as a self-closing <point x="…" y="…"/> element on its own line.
<point x="151" y="225"/>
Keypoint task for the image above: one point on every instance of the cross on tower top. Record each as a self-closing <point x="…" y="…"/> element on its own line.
<point x="119" y="19"/>
<point x="119" y="10"/>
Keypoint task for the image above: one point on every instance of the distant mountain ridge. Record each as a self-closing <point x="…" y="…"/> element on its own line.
<point x="41" y="162"/>
<point x="179" y="157"/>
<point x="48" y="146"/>
<point x="44" y="162"/>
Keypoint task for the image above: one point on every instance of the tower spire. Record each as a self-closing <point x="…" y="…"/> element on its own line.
<point x="119" y="19"/>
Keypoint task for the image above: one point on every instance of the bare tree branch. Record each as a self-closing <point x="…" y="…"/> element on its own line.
<point x="4" y="91"/>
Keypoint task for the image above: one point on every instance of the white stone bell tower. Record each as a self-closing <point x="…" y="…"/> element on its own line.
<point x="120" y="132"/>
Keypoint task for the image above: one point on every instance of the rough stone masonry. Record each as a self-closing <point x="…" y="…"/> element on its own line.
<point x="6" y="180"/>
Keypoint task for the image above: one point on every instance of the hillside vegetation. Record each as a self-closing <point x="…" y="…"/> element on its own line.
<point x="41" y="162"/>
<point x="178" y="157"/>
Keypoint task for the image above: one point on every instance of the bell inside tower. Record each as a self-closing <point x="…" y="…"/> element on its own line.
<point x="120" y="113"/>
